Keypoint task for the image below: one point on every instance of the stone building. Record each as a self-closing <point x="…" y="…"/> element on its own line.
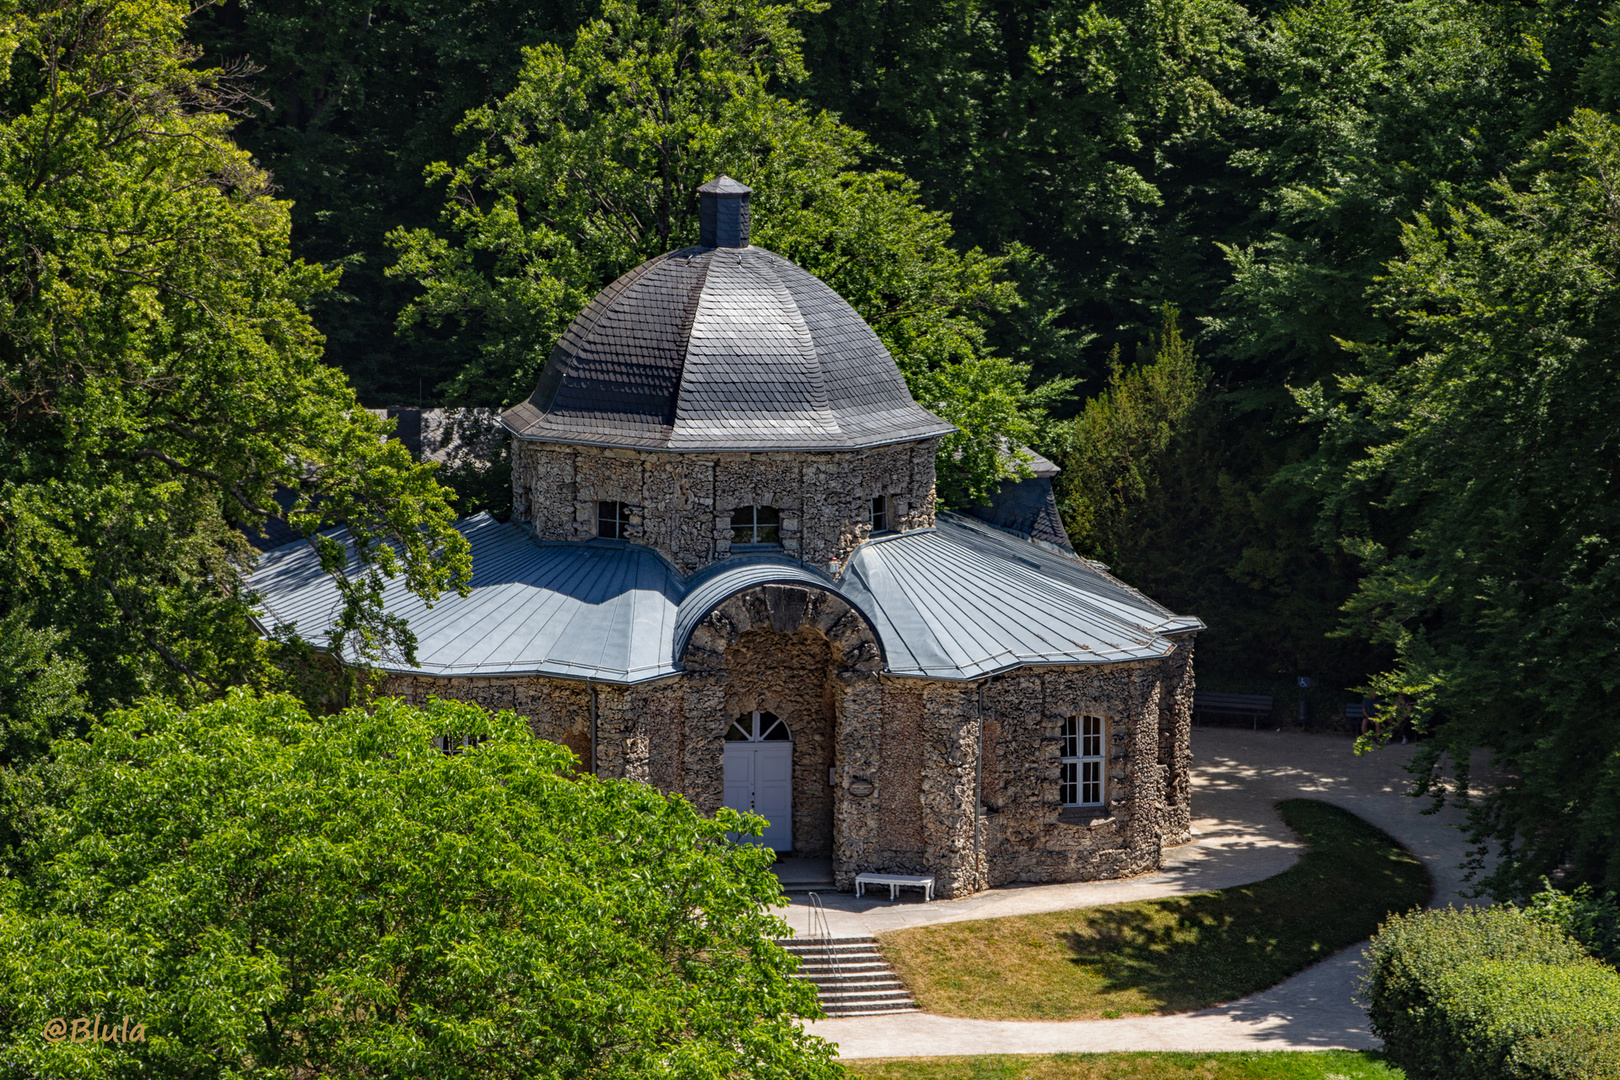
<point x="726" y="576"/>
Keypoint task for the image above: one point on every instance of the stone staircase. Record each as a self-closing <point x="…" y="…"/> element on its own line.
<point x="851" y="976"/>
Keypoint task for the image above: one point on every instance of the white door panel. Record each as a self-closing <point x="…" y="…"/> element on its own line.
<point x="773" y="792"/>
<point x="739" y="777"/>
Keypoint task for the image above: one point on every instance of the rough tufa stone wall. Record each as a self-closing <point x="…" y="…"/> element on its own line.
<point x="1146" y="707"/>
<point x="905" y="753"/>
<point x="681" y="504"/>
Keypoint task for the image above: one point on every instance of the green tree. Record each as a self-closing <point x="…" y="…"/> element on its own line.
<point x="1086" y="129"/>
<point x="1153" y="485"/>
<point x="357" y="97"/>
<point x="41" y="690"/>
<point x="591" y="166"/>
<point x="1470" y="466"/>
<point x="162" y="382"/>
<point x="1364" y="112"/>
<point x="273" y="895"/>
<point x="1113" y="451"/>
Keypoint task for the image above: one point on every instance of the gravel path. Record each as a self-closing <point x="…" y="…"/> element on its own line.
<point x="1238" y="776"/>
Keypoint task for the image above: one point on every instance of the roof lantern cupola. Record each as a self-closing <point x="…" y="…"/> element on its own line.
<point x="721" y="347"/>
<point x="720" y="400"/>
<point x="723" y="214"/>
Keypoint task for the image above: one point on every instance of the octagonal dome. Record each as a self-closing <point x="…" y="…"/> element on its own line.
<point x="721" y="348"/>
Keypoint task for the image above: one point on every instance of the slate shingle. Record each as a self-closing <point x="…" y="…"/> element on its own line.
<point x="721" y="349"/>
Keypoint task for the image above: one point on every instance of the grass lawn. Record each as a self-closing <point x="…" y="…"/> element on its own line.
<point x="1173" y="954"/>
<point x="1269" y="1065"/>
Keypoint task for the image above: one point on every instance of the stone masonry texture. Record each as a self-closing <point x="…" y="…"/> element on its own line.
<point x="910" y="790"/>
<point x="680" y="504"/>
<point x="955" y="779"/>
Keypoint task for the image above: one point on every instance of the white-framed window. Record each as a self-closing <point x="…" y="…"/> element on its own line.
<point x="1080" y="761"/>
<point x="878" y="515"/>
<point x="612" y="520"/>
<point x="455" y="744"/>
<point x="758" y="727"/>
<point x="756" y="525"/>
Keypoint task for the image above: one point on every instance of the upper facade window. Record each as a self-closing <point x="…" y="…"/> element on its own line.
<point x="756" y="525"/>
<point x="1080" y="761"/>
<point x="612" y="520"/>
<point x="878" y="516"/>
<point x="455" y="744"/>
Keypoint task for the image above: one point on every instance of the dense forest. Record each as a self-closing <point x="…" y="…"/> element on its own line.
<point x="1314" y="304"/>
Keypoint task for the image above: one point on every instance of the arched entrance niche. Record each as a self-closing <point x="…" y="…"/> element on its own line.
<point x="790" y="652"/>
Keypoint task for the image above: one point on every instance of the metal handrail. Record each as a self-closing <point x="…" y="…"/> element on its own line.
<point x="819" y="928"/>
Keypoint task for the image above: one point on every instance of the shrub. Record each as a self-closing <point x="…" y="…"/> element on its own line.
<point x="1593" y="919"/>
<point x="1487" y="1009"/>
<point x="1567" y="1055"/>
<point x="1411" y="956"/>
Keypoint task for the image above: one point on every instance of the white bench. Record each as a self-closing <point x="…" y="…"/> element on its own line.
<point x="925" y="882"/>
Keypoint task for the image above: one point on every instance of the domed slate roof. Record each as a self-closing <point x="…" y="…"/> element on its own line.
<point x="721" y="348"/>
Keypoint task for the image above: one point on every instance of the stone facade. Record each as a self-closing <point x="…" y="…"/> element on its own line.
<point x="955" y="779"/>
<point x="680" y="504"/>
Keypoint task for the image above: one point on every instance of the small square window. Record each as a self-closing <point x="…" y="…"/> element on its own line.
<point x="756" y="525"/>
<point x="451" y="745"/>
<point x="879" y="515"/>
<point x="612" y="520"/>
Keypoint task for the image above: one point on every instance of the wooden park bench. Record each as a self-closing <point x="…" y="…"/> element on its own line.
<point x="925" y="882"/>
<point x="1210" y="703"/>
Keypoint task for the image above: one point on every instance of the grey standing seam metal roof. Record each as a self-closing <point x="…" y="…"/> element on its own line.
<point x="965" y="600"/>
<point x="710" y="349"/>
<point x="959" y="601"/>
<point x="599" y="611"/>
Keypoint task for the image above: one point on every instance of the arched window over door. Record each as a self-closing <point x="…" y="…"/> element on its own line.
<point x="758" y="727"/>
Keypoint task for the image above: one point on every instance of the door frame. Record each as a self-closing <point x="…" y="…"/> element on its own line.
<point x="754" y="746"/>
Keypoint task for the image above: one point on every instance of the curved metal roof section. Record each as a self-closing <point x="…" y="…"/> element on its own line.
<point x="960" y="601"/>
<point x="716" y="584"/>
<point x="965" y="600"/>
<point x="711" y="349"/>
<point x="568" y="610"/>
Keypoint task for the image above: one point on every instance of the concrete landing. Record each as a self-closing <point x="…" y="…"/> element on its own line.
<point x="804" y="875"/>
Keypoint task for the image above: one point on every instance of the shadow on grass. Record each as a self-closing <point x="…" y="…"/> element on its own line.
<point x="1187" y="952"/>
<point x="1173" y="954"/>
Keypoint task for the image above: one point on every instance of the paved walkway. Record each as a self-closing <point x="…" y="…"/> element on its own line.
<point x="1238" y="776"/>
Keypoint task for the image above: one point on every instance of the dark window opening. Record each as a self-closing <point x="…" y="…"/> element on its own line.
<point x="455" y="744"/>
<point x="758" y="727"/>
<point x="756" y="525"/>
<point x="612" y="520"/>
<point x="879" y="515"/>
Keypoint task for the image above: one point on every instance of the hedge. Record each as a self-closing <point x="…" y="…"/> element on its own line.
<point x="1492" y="1006"/>
<point x="1489" y="994"/>
<point x="1568" y="1055"/>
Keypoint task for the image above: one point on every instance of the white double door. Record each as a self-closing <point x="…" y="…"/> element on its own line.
<point x="759" y="778"/>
